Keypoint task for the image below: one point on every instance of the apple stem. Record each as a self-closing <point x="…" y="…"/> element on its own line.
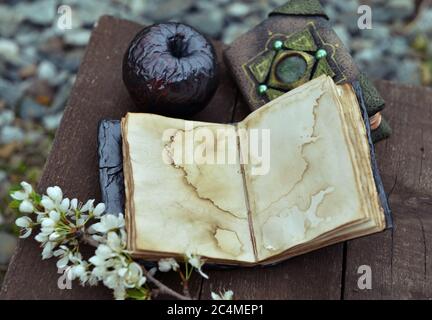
<point x="176" y="45"/>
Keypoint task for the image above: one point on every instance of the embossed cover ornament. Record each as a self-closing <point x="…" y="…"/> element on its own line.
<point x="293" y="46"/>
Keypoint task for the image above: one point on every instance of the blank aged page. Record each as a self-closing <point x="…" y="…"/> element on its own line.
<point x="311" y="187"/>
<point x="175" y="206"/>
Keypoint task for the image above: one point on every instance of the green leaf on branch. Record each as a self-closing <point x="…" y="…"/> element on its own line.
<point x="14" y="204"/>
<point x="138" y="294"/>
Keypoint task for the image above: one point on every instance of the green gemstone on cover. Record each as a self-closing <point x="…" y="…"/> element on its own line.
<point x="291" y="69"/>
<point x="321" y="53"/>
<point x="262" y="89"/>
<point x="278" y="45"/>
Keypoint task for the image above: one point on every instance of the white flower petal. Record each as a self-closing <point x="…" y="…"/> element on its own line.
<point x="215" y="296"/>
<point x="27" y="187"/>
<point x="54" y="215"/>
<point x="27" y="233"/>
<point x="97" y="261"/>
<point x="122" y="272"/>
<point x="100" y="208"/>
<point x="19" y="195"/>
<point x="62" y="263"/>
<point x="99" y="227"/>
<point x="23" y="222"/>
<point x="74" y="204"/>
<point x="26" y="207"/>
<point x="47" y="230"/>
<point x="47" y="203"/>
<point x="88" y="206"/>
<point x="228" y="295"/>
<point x="55" y="236"/>
<point x="48" y="223"/>
<point x="166" y="265"/>
<point x="64" y="205"/>
<point x="55" y="193"/>
<point x="202" y="274"/>
<point x="40" y="237"/>
<point x="47" y="251"/>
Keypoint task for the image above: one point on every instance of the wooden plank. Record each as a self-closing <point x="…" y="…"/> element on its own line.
<point x="98" y="94"/>
<point x="400" y="259"/>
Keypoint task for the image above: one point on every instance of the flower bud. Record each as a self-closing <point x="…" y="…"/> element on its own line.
<point x="27" y="187"/>
<point x="55" y="193"/>
<point x="26" y="207"/>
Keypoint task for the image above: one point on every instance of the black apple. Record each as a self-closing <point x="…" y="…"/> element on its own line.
<point x="170" y="69"/>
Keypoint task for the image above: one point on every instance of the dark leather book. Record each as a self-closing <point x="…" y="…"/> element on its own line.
<point x="295" y="44"/>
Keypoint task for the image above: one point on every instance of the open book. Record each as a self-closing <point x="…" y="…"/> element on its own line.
<point x="307" y="185"/>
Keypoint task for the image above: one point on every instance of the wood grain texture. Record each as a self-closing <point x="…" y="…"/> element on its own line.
<point x="400" y="259"/>
<point x="400" y="262"/>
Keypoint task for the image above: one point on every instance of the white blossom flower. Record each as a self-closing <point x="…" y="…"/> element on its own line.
<point x="99" y="210"/>
<point x="27" y="187"/>
<point x="196" y="262"/>
<point x="23" y="222"/>
<point x="56" y="194"/>
<point x="47" y="251"/>
<point x="64" y="254"/>
<point x="88" y="206"/>
<point x="23" y="194"/>
<point x="26" y="224"/>
<point x="74" y="204"/>
<point x="55" y="236"/>
<point x="109" y="222"/>
<point x="41" y="237"/>
<point x="227" y="295"/>
<point x="114" y="241"/>
<point x="132" y="275"/>
<point x="47" y="203"/>
<point x="167" y="264"/>
<point x="48" y="223"/>
<point x="103" y="252"/>
<point x="64" y="205"/>
<point x="60" y="218"/>
<point x="26" y="207"/>
<point x="51" y="220"/>
<point x="79" y="271"/>
<point x="19" y="195"/>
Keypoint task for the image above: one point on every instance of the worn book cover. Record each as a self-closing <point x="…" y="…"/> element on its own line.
<point x="315" y="187"/>
<point x="295" y="44"/>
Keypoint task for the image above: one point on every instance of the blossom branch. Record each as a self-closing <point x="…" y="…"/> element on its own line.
<point x="163" y="288"/>
<point x="63" y="224"/>
<point x="86" y="238"/>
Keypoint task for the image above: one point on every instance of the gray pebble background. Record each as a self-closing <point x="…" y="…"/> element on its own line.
<point x="39" y="62"/>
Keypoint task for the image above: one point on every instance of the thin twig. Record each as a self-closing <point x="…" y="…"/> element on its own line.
<point x="163" y="288"/>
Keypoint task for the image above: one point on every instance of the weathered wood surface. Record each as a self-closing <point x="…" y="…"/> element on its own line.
<point x="400" y="259"/>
